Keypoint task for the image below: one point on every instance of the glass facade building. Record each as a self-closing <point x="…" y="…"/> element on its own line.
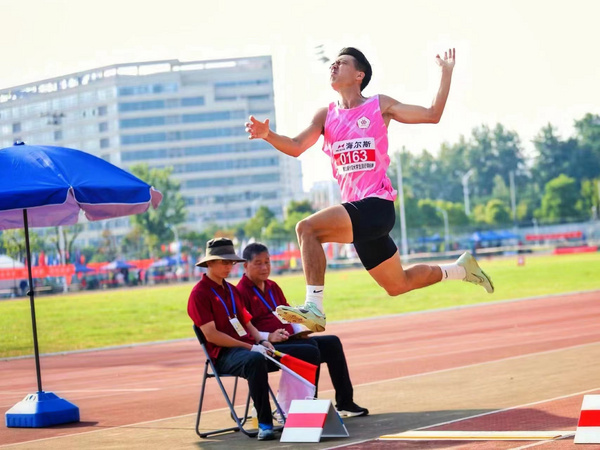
<point x="185" y="115"/>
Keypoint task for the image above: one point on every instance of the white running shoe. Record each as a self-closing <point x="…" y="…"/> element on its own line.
<point x="308" y="315"/>
<point x="474" y="274"/>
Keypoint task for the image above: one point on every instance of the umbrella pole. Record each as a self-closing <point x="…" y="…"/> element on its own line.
<point x="32" y="303"/>
<point x="42" y="409"/>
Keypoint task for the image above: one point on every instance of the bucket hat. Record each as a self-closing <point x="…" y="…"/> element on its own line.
<point x="219" y="248"/>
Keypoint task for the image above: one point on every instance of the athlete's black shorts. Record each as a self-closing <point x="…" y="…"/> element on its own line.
<point x="372" y="220"/>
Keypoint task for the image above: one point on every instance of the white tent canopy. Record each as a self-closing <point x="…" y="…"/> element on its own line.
<point x="6" y="262"/>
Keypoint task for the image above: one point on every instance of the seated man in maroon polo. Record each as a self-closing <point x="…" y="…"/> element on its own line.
<point x="234" y="344"/>
<point x="261" y="297"/>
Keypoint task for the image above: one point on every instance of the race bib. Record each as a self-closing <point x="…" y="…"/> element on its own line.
<point x="238" y="326"/>
<point x="354" y="155"/>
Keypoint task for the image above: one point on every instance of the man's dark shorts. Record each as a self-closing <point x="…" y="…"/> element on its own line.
<point x="372" y="220"/>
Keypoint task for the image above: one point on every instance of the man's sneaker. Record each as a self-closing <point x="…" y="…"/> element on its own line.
<point x="352" y="410"/>
<point x="308" y="315"/>
<point x="266" y="434"/>
<point x="474" y="274"/>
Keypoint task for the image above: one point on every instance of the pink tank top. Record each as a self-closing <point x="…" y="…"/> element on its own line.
<point x="356" y="141"/>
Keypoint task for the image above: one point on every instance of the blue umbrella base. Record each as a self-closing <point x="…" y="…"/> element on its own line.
<point x="42" y="409"/>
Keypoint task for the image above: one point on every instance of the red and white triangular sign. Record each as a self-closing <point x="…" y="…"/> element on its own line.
<point x="310" y="420"/>
<point x="588" y="428"/>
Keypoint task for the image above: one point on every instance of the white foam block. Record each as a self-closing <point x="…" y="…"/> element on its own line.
<point x="591" y="402"/>
<point x="301" y="435"/>
<point x="310" y="406"/>
<point x="587" y="435"/>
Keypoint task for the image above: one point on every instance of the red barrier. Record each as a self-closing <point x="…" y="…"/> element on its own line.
<point x="569" y="250"/>
<point x="554" y="236"/>
<point x="60" y="270"/>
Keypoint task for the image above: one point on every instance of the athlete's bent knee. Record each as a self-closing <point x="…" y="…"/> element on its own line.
<point x="396" y="289"/>
<point x="304" y="229"/>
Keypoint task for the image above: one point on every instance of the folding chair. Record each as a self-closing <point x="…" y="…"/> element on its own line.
<point x="212" y="373"/>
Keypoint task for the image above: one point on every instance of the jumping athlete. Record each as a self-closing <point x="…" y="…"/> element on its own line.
<point x="355" y="130"/>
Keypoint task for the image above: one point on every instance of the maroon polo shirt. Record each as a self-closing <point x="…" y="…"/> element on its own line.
<point x="204" y="307"/>
<point x="262" y="316"/>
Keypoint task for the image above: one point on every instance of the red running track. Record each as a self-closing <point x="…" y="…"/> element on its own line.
<point x="150" y="382"/>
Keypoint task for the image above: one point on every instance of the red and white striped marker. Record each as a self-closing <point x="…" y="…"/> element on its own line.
<point x="310" y="420"/>
<point x="588" y="428"/>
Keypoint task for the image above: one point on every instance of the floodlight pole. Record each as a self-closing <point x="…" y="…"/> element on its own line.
<point x="404" y="241"/>
<point x="446" y="227"/>
<point x="513" y="196"/>
<point x="178" y="249"/>
<point x="465" y="183"/>
<point x="598" y="184"/>
<point x="32" y="303"/>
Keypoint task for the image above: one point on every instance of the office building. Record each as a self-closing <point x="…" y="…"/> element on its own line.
<point x="185" y="115"/>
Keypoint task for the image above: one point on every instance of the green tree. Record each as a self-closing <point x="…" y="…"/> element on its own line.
<point x="14" y="244"/>
<point x="586" y="163"/>
<point x="452" y="159"/>
<point x="295" y="212"/>
<point x="69" y="235"/>
<point x="193" y="242"/>
<point x="588" y="132"/>
<point x="588" y="204"/>
<point x="430" y="215"/>
<point x="133" y="243"/>
<point x="500" y="189"/>
<point x="497" y="212"/>
<point x="276" y="233"/>
<point x="89" y="252"/>
<point x="493" y="152"/>
<point x="254" y="227"/>
<point x="290" y="222"/>
<point x="554" y="156"/>
<point x="107" y="250"/>
<point x="301" y="207"/>
<point x="422" y="174"/>
<point x="560" y="199"/>
<point x="456" y="213"/>
<point x="412" y="212"/>
<point x="479" y="213"/>
<point x="525" y="210"/>
<point x="156" y="223"/>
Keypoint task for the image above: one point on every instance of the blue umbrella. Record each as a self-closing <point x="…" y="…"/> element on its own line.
<point x="82" y="268"/>
<point x="118" y="264"/>
<point x="434" y="238"/>
<point x="55" y="183"/>
<point x="44" y="186"/>
<point x="167" y="261"/>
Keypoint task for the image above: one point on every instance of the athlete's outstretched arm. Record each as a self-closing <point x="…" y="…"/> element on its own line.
<point x="290" y="146"/>
<point x="400" y="112"/>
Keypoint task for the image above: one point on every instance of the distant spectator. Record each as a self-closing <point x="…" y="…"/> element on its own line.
<point x="23" y="287"/>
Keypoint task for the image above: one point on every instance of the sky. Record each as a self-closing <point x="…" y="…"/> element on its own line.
<point x="523" y="63"/>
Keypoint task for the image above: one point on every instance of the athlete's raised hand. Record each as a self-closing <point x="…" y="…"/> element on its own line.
<point x="448" y="61"/>
<point x="257" y="129"/>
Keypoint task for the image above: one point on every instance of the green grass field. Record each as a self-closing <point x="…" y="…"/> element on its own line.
<point x="119" y="317"/>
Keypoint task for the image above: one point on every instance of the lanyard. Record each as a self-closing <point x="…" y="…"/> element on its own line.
<point x="264" y="301"/>
<point x="224" y="305"/>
